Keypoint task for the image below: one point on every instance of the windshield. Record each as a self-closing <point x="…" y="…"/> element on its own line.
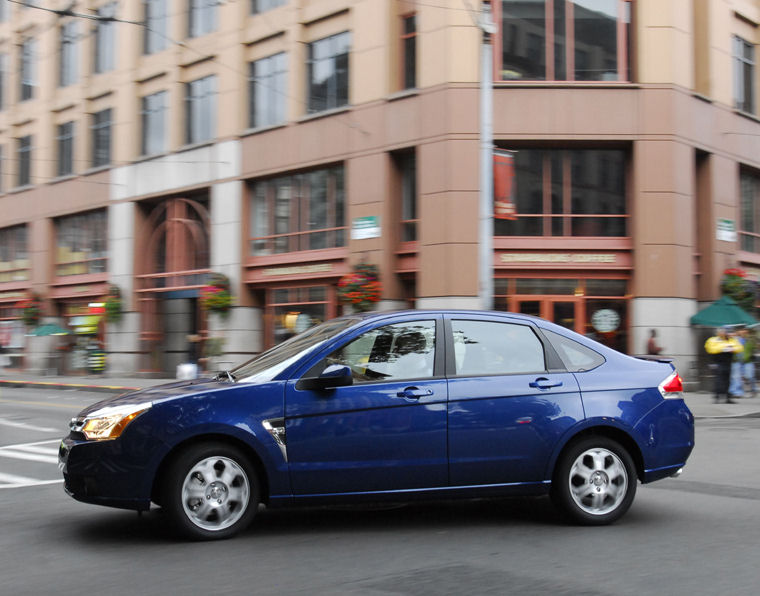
<point x="267" y="365"/>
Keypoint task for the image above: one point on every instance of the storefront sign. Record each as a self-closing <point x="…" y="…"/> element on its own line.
<point x="725" y="230"/>
<point x="527" y="257"/>
<point x="298" y="270"/>
<point x="605" y="320"/>
<point x="365" y="227"/>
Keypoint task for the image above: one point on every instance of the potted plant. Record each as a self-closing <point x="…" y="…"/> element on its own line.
<point x="113" y="304"/>
<point x="361" y="288"/>
<point x="31" y="310"/>
<point x="216" y="296"/>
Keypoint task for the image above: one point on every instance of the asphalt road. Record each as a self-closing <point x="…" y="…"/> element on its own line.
<point x="693" y="535"/>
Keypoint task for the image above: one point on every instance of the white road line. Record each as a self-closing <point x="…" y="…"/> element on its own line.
<point x="32" y="483"/>
<point x="28" y="456"/>
<point x="21" y="425"/>
<point x="24" y="445"/>
<point x="33" y="449"/>
<point x="13" y="479"/>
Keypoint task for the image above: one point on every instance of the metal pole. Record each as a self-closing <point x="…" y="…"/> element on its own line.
<point x="485" y="245"/>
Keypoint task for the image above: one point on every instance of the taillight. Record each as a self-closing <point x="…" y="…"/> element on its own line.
<point x="672" y="387"/>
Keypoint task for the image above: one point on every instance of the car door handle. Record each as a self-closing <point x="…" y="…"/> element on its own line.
<point x="544" y="383"/>
<point x="414" y="393"/>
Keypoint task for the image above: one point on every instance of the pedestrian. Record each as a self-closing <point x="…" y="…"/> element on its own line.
<point x="723" y="347"/>
<point x="653" y="348"/>
<point x="743" y="366"/>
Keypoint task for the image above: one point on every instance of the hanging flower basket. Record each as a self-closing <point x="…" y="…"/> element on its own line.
<point x="361" y="288"/>
<point x="744" y="291"/>
<point x="113" y="304"/>
<point x="216" y="297"/>
<point x="31" y="309"/>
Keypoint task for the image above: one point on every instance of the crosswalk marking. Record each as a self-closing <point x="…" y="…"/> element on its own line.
<point x="28" y="456"/>
<point x="23" y="426"/>
<point x="39" y="451"/>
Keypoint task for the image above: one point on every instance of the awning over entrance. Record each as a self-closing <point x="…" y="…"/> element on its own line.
<point x="724" y="311"/>
<point x="85" y="325"/>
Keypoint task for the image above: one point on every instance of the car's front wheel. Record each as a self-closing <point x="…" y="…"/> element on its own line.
<point x="594" y="482"/>
<point x="210" y="491"/>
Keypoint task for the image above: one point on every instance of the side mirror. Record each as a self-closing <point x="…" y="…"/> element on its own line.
<point x="335" y="375"/>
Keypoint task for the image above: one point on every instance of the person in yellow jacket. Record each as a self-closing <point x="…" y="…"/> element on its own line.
<point x="723" y="346"/>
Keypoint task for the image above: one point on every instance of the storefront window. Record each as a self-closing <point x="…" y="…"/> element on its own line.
<point x="579" y="192"/>
<point x="14" y="260"/>
<point x="294" y="310"/>
<point x="298" y="212"/>
<point x="81" y="246"/>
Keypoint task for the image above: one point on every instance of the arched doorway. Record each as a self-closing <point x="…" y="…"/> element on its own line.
<point x="174" y="266"/>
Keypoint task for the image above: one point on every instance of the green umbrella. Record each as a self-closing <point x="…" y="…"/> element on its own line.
<point x="48" y="329"/>
<point x="724" y="311"/>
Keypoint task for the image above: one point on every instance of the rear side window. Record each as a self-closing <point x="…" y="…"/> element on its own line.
<point x="491" y="348"/>
<point x="576" y="357"/>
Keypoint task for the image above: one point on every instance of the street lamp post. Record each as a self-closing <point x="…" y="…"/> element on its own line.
<point x="485" y="228"/>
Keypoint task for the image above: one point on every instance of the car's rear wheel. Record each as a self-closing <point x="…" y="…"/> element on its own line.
<point x="594" y="482"/>
<point x="210" y="491"/>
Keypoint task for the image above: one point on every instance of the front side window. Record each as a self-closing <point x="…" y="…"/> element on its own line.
<point x="202" y="17"/>
<point x="328" y="72"/>
<point x="154" y="123"/>
<point x="81" y="246"/>
<point x="68" y="70"/>
<point x="101" y="138"/>
<point x="27" y="69"/>
<point x="14" y="256"/>
<point x="390" y="353"/>
<point x="156" y="25"/>
<point x="200" y="105"/>
<point x="258" y="6"/>
<point x="105" y="39"/>
<point x="24" y="156"/>
<point x="564" y="40"/>
<point x="65" y="141"/>
<point x="749" y="221"/>
<point x="490" y="348"/>
<point x="298" y="212"/>
<point x="579" y="192"/>
<point x="744" y="75"/>
<point x="267" y="91"/>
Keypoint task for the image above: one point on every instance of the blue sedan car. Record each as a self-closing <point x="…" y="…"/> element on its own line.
<point x="390" y="406"/>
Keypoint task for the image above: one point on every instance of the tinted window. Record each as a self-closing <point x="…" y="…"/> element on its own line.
<point x="576" y="357"/>
<point x="489" y="348"/>
<point x="400" y="351"/>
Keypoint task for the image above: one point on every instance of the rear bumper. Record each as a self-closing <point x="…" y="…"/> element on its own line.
<point x="667" y="436"/>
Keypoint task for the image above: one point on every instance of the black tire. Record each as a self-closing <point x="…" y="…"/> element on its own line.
<point x="594" y="481"/>
<point x="210" y="491"/>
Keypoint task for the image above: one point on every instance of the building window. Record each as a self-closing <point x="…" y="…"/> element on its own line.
<point x="200" y="106"/>
<point x="744" y="75"/>
<point x="564" y="40"/>
<point x="298" y="212"/>
<point x="258" y="6"/>
<point x="202" y="17"/>
<point x="3" y="78"/>
<point x="156" y="25"/>
<point x="154" y="123"/>
<point x="409" y="51"/>
<point x="67" y="74"/>
<point x="27" y="68"/>
<point x="578" y="192"/>
<point x="101" y="138"/>
<point x="328" y="72"/>
<point x="105" y="39"/>
<point x="406" y="166"/>
<point x="24" y="157"/>
<point x="749" y="223"/>
<point x="81" y="243"/>
<point x="65" y="141"/>
<point x="267" y="91"/>
<point x="14" y="259"/>
<point x="2" y="169"/>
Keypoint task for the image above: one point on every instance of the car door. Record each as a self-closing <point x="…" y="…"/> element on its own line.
<point x="510" y="400"/>
<point x="385" y="432"/>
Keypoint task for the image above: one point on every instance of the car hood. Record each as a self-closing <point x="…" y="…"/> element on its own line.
<point x="157" y="393"/>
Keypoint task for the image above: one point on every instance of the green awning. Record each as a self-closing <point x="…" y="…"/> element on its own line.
<point x="724" y="311"/>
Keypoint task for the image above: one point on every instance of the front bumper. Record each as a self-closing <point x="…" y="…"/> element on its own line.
<point x="105" y="473"/>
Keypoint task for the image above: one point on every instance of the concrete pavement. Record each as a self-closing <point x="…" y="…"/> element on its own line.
<point x="700" y="403"/>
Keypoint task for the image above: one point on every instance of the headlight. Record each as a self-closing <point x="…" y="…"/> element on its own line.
<point x="109" y="423"/>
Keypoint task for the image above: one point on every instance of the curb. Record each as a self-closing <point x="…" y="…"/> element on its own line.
<point x="69" y="386"/>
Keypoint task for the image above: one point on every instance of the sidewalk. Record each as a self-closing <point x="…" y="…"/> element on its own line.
<point x="700" y="403"/>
